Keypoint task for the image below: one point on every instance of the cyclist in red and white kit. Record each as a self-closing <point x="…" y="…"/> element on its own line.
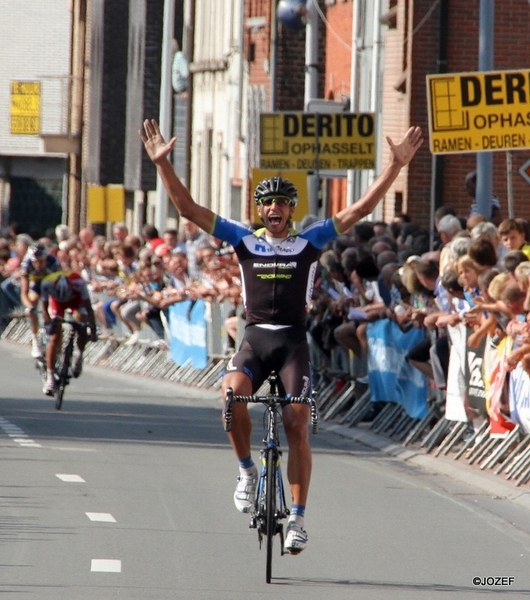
<point x="277" y="266"/>
<point x="63" y="291"/>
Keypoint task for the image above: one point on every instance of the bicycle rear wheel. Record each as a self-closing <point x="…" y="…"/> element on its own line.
<point x="270" y="507"/>
<point x="64" y="375"/>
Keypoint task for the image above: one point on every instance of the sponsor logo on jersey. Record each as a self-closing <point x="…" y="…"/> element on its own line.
<point x="272" y="265"/>
<point x="274" y="276"/>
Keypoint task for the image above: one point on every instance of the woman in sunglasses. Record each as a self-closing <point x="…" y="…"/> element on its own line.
<point x="277" y="266"/>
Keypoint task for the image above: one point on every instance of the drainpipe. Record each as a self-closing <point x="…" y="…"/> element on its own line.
<point x="352" y="178"/>
<point x="188" y="45"/>
<point x="77" y="82"/>
<point x="273" y="56"/>
<point x="166" y="97"/>
<point x="241" y="70"/>
<point x="438" y="161"/>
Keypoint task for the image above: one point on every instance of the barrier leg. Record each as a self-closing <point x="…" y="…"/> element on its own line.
<point x="512" y="438"/>
<point x="415" y="433"/>
<point x="513" y="454"/>
<point x="482" y="431"/>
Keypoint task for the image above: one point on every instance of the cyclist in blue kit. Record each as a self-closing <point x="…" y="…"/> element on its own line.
<point x="277" y="266"/>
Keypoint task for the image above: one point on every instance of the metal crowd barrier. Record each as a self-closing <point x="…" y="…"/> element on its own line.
<point x="340" y="398"/>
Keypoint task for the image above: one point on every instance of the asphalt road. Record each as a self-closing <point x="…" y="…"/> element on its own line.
<point x="126" y="493"/>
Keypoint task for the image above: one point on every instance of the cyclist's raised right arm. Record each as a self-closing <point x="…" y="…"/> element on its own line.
<point x="159" y="151"/>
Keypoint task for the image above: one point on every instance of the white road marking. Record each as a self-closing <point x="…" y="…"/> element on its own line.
<point x="103" y="517"/>
<point x="105" y="565"/>
<point x="70" y="478"/>
<point x="17" y="434"/>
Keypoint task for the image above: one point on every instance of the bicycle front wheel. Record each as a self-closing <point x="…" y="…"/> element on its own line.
<point x="270" y="508"/>
<point x="64" y="375"/>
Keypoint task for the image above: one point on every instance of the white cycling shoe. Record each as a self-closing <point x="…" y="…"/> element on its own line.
<point x="245" y="494"/>
<point x="295" y="539"/>
<point x="49" y="386"/>
<point x="36" y="351"/>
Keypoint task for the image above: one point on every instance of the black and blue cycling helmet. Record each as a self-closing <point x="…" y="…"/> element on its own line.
<point x="275" y="186"/>
<point x="38" y="251"/>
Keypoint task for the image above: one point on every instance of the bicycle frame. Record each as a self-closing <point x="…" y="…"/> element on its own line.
<point x="270" y="508"/>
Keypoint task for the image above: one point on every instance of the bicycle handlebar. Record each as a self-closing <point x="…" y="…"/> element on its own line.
<point x="269" y="400"/>
<point x="75" y="324"/>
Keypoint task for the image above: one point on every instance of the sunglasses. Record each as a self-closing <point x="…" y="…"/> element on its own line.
<point x="278" y="200"/>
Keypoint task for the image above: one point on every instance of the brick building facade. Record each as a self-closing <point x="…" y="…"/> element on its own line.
<point x="418" y="38"/>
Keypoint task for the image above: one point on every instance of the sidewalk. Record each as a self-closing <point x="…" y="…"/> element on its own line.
<point x="494" y="485"/>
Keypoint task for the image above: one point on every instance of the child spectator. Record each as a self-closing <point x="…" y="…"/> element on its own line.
<point x="513" y="235"/>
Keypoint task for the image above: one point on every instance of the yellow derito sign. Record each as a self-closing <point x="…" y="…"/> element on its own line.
<point x="317" y="141"/>
<point x="25" y="107"/>
<point x="482" y="111"/>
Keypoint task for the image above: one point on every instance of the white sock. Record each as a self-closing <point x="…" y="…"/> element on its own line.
<point x="251" y="472"/>
<point x="297" y="519"/>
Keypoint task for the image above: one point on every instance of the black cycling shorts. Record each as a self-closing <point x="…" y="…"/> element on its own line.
<point x="282" y="350"/>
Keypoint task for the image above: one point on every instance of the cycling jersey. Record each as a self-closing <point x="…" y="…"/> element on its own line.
<point x="27" y="269"/>
<point x="277" y="278"/>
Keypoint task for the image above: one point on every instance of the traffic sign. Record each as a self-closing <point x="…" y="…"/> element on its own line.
<point x="317" y="141"/>
<point x="479" y="111"/>
<point x="524" y="171"/>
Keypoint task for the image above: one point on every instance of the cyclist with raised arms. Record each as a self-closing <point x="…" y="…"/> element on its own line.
<point x="36" y="264"/>
<point x="278" y="266"/>
<point x="61" y="291"/>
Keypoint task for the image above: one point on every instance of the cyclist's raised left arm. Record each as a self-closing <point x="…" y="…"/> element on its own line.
<point x="402" y="154"/>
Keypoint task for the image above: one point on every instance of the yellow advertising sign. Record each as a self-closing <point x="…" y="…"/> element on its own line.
<point x="482" y="111"/>
<point x="25" y="107"/>
<point x="317" y="141"/>
<point x="105" y="203"/>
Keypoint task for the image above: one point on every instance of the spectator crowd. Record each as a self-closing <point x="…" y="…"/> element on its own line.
<point x="476" y="273"/>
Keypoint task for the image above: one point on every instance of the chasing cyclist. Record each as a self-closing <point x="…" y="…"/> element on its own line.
<point x="278" y="266"/>
<point x="36" y="264"/>
<point x="61" y="291"/>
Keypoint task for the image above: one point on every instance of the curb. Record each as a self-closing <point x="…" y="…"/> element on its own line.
<point x="483" y="480"/>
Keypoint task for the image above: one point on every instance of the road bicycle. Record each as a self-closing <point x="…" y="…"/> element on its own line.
<point x="64" y="362"/>
<point x="270" y="507"/>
